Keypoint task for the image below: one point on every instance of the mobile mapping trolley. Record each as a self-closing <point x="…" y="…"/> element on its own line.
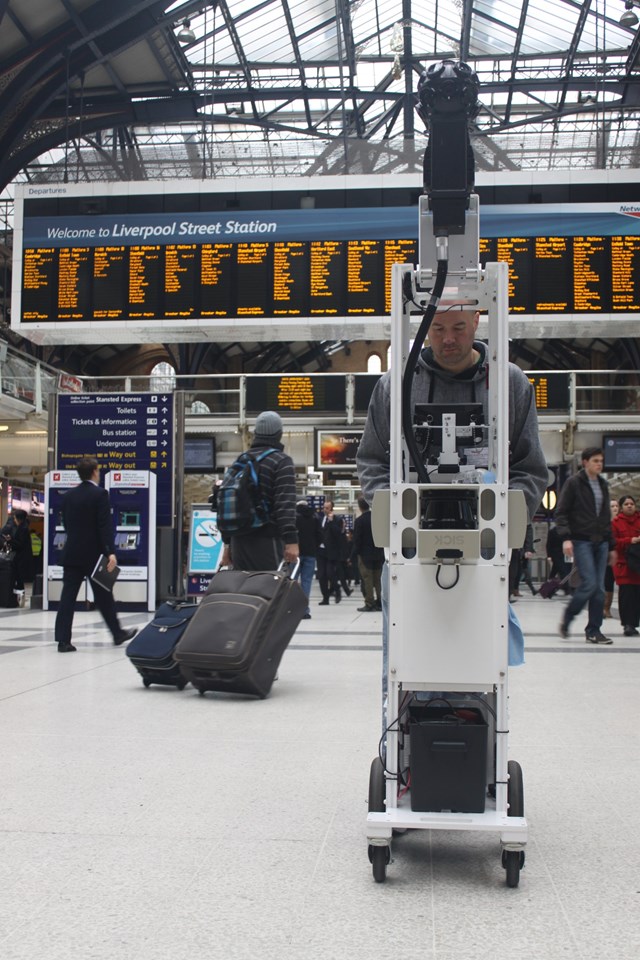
<point x="448" y="527"/>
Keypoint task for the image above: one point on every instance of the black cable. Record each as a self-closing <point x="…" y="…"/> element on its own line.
<point x="410" y="369"/>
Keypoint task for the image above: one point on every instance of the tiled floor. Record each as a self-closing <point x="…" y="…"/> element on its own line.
<point x="144" y="824"/>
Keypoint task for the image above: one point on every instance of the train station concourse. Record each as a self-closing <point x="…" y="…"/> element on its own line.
<point x="145" y="823"/>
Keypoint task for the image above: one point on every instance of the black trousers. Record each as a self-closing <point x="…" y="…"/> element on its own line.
<point x="72" y="580"/>
<point x="629" y="604"/>
<point x="256" y="553"/>
<point x="327" y="578"/>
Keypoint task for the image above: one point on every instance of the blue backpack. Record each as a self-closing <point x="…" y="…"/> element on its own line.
<point x="240" y="505"/>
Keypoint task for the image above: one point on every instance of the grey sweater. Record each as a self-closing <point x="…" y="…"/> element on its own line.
<point x="527" y="466"/>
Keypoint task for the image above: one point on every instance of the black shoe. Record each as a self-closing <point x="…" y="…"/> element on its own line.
<point x="338" y="598"/>
<point x="323" y="603"/>
<point x="597" y="637"/>
<point x="307" y="616"/>
<point x="124" y="636"/>
<point x="631" y="632"/>
<point x="348" y="591"/>
<point x="66" y="648"/>
<point x="563" y="630"/>
<point x="366" y="609"/>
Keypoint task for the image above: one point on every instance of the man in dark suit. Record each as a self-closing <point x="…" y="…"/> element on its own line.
<point x="329" y="555"/>
<point x="86" y="516"/>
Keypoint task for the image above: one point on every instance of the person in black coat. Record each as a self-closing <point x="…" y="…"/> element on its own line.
<point x="309" y="541"/>
<point x="86" y="515"/>
<point x="329" y="554"/>
<point x="370" y="559"/>
<point x="17" y="537"/>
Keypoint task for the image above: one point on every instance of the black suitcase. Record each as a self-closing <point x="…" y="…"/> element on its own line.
<point x="237" y="638"/>
<point x="151" y="650"/>
<point x="7" y="596"/>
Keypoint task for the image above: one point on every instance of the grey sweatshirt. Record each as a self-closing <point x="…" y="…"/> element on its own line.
<point x="527" y="466"/>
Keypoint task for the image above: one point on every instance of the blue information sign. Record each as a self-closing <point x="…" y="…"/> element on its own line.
<point x="123" y="432"/>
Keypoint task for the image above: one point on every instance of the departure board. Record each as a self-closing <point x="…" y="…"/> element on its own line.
<point x="296" y="394"/>
<point x="551" y="390"/>
<point x="318" y="278"/>
<point x="128" y="268"/>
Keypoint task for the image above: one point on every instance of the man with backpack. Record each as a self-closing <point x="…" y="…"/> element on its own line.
<point x="256" y="502"/>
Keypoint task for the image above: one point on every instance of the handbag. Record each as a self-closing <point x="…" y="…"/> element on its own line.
<point x="7" y="555"/>
<point x="632" y="556"/>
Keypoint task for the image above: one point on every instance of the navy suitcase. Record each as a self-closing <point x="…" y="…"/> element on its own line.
<point x="237" y="638"/>
<point x="151" y="650"/>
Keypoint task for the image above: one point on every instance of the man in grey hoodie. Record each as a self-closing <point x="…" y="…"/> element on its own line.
<point x="454" y="368"/>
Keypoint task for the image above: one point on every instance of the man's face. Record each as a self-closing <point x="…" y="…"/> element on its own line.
<point x="594" y="464"/>
<point x="451" y="336"/>
<point x="328" y="507"/>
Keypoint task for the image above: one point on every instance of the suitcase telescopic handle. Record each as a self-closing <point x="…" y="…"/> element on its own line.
<point x="287" y="564"/>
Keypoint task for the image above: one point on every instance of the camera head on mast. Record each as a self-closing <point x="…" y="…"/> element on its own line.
<point x="448" y="101"/>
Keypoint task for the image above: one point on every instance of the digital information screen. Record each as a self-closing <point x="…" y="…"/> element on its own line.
<point x="296" y="393"/>
<point x="551" y="389"/>
<point x="122" y="432"/>
<point x="126" y="268"/>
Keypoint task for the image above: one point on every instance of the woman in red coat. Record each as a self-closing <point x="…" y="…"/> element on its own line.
<point x="626" y="530"/>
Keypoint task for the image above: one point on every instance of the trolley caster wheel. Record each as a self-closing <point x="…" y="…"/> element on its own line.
<point x="379" y="858"/>
<point x="147" y="683"/>
<point x="513" y="862"/>
<point x="377" y="787"/>
<point x="201" y="691"/>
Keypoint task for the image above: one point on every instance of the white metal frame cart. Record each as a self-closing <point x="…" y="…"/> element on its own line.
<point x="445" y="764"/>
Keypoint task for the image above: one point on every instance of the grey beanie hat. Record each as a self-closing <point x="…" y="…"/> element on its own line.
<point x="268" y="424"/>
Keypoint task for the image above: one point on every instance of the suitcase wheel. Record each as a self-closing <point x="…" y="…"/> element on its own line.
<point x="182" y="684"/>
<point x="147" y="683"/>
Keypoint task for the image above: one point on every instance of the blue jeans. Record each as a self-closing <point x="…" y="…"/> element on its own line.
<point x="305" y="574"/>
<point x="591" y="561"/>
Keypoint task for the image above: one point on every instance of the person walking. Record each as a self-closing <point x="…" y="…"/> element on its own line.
<point x="555" y="555"/>
<point x="308" y="527"/>
<point x="626" y="530"/>
<point x="609" y="579"/>
<point x="329" y="554"/>
<point x="265" y="547"/>
<point x="583" y="518"/>
<point x="17" y="536"/>
<point x="86" y="516"/>
<point x="370" y="559"/>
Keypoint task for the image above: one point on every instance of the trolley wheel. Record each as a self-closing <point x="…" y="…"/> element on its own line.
<point x="147" y="683"/>
<point x="515" y="789"/>
<point x="201" y="691"/>
<point x="379" y="858"/>
<point x="377" y="787"/>
<point x="513" y="860"/>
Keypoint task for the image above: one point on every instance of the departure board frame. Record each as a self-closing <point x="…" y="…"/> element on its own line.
<point x="251" y="260"/>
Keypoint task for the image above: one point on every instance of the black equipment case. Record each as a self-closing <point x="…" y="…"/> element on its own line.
<point x="151" y="650"/>
<point x="237" y="638"/>
<point x="7" y="596"/>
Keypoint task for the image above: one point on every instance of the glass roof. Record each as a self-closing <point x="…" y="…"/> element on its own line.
<point x="295" y="87"/>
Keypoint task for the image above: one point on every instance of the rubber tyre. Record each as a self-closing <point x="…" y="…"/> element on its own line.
<point x="513" y="860"/>
<point x="515" y="789"/>
<point x="377" y="787"/>
<point x="380" y="857"/>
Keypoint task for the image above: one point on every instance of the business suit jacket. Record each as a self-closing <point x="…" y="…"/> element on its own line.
<point x="86" y="514"/>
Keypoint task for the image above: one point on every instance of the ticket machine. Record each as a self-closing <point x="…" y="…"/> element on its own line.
<point x="133" y="504"/>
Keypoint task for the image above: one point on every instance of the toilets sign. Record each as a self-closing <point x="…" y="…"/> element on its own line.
<point x="123" y="432"/>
